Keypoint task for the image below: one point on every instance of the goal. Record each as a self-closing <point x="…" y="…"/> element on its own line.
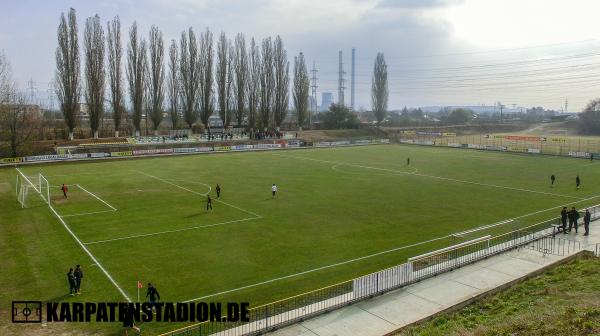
<point x="32" y="190"/>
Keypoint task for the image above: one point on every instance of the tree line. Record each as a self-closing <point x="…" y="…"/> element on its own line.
<point x="188" y="79"/>
<point x="248" y="84"/>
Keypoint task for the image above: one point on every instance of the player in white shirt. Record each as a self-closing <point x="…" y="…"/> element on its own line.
<point x="274" y="189"/>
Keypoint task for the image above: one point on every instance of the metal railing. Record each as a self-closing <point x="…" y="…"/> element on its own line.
<point x="538" y="237"/>
<point x="554" y="246"/>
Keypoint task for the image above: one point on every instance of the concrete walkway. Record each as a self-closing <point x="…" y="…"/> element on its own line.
<point x="389" y="312"/>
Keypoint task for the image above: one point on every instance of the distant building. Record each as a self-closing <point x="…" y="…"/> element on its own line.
<point x="326" y="100"/>
<point x="214" y="121"/>
<point x="27" y="108"/>
<point x="83" y="111"/>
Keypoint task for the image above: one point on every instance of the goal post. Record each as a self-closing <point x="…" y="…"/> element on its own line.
<point x="44" y="188"/>
<point x="28" y="186"/>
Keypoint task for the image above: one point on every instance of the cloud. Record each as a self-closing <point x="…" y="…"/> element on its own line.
<point x="417" y="4"/>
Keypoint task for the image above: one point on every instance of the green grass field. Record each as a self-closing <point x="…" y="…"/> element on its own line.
<point x="339" y="213"/>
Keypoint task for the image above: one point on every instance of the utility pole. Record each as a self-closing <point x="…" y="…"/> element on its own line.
<point x="501" y="108"/>
<point x="341" y="86"/>
<point x="31" y="90"/>
<point x="352" y="79"/>
<point x="313" y="88"/>
<point x="51" y="94"/>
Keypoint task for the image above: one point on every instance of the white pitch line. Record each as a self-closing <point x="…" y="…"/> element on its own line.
<point x="370" y="255"/>
<point x="236" y="207"/>
<point x="173" y="184"/>
<point x="98" y="198"/>
<point x="335" y="167"/>
<point x="87" y="213"/>
<point x="91" y="255"/>
<point x="169" y="231"/>
<point x="431" y="176"/>
<point x="197" y="193"/>
<point x="316" y="269"/>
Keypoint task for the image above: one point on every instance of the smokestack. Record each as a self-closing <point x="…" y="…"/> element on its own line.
<point x="341" y="81"/>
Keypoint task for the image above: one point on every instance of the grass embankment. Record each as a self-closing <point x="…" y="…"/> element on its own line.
<point x="562" y="301"/>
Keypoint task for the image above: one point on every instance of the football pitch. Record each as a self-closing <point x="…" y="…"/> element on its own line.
<point x="339" y="213"/>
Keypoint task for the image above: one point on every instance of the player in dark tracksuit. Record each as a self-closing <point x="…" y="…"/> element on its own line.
<point x="552" y="179"/>
<point x="78" y="277"/>
<point x="153" y="295"/>
<point x="72" y="282"/>
<point x="573" y="217"/>
<point x="577" y="181"/>
<point x="586" y="221"/>
<point x="208" y="203"/>
<point x="218" y="190"/>
<point x="564" y="214"/>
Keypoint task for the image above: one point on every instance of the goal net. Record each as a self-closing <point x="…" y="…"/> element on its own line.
<point x="32" y="190"/>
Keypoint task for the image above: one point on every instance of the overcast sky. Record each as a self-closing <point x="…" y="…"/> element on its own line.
<point x="439" y="52"/>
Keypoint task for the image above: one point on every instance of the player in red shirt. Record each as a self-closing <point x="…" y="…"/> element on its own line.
<point x="64" y="189"/>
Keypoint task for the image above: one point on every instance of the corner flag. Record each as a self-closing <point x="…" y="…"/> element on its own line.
<point x="139" y="285"/>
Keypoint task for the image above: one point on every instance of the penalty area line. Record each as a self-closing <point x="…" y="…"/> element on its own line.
<point x="173" y="184"/>
<point x="201" y="194"/>
<point x="169" y="231"/>
<point x="87" y="213"/>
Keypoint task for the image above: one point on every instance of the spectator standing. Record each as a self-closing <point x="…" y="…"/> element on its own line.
<point x="72" y="283"/>
<point x="563" y="218"/>
<point x="573" y="217"/>
<point x="78" y="278"/>
<point x="586" y="222"/>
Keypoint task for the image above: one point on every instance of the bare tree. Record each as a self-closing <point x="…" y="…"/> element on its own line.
<point x="267" y="82"/>
<point x="17" y="124"/>
<point x="206" y="77"/>
<point x="229" y="90"/>
<point x="379" y="88"/>
<point x="136" y="75"/>
<point x="156" y="78"/>
<point x="190" y="75"/>
<point x="173" y="84"/>
<point x="282" y="82"/>
<point x="254" y="85"/>
<point x="115" y="53"/>
<point x="68" y="87"/>
<point x="93" y="45"/>
<point x="301" y="89"/>
<point x="221" y="77"/>
<point x="241" y="78"/>
<point x="6" y="81"/>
